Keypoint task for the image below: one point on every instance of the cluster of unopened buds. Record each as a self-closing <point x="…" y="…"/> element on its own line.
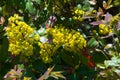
<point x="78" y="14"/>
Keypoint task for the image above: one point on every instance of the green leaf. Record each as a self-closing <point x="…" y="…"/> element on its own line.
<point x="67" y="59"/>
<point x="111" y="63"/>
<point x="114" y="62"/>
<point x="30" y="7"/>
<point x="86" y="71"/>
<point x="8" y="6"/>
<point x="41" y="31"/>
<point x="0" y="10"/>
<point x="16" y="2"/>
<point x="84" y="60"/>
<point x="98" y="57"/>
<point x="76" y="59"/>
<point x="37" y="1"/>
<point x="117" y="71"/>
<point x="116" y="2"/>
<point x="102" y="66"/>
<point x="79" y="6"/>
<point x="102" y="42"/>
<point x="92" y="43"/>
<point x="74" y="76"/>
<point x="28" y="73"/>
<point x="86" y="6"/>
<point x="4" y="49"/>
<point x="38" y="65"/>
<point x="20" y="66"/>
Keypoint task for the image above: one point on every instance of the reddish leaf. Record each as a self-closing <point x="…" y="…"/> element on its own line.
<point x="91" y="64"/>
<point x="100" y="11"/>
<point x="118" y="25"/>
<point x="108" y="17"/>
<point x="89" y="57"/>
<point x="96" y="23"/>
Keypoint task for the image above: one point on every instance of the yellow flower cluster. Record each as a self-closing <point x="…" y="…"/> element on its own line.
<point x="27" y="78"/>
<point x="71" y="40"/>
<point x="46" y="52"/>
<point x="18" y="33"/>
<point x="103" y="29"/>
<point x="78" y="14"/>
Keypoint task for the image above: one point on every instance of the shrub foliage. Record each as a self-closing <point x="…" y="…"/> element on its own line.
<point x="59" y="39"/>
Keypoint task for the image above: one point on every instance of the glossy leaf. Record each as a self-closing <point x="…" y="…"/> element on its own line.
<point x="92" y="43"/>
<point x="4" y="49"/>
<point x="67" y="59"/>
<point x="29" y="73"/>
<point x="37" y="1"/>
<point x="30" y="7"/>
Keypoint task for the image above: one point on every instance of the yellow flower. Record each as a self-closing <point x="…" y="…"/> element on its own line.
<point x="103" y="29"/>
<point x="46" y="52"/>
<point x="76" y="11"/>
<point x="18" y="33"/>
<point x="78" y="14"/>
<point x="67" y="38"/>
<point x="36" y="37"/>
<point x="81" y="12"/>
<point x="27" y="78"/>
